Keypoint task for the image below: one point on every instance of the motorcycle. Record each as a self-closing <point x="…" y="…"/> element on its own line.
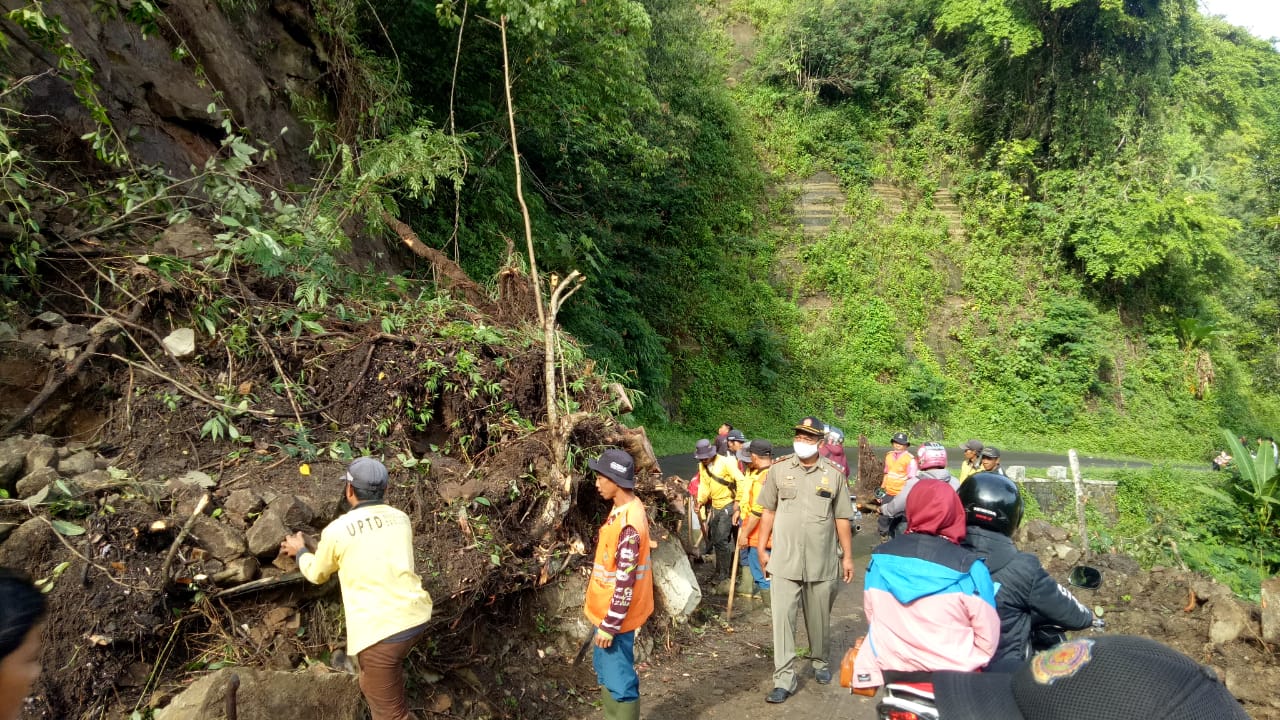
<point x="914" y="700"/>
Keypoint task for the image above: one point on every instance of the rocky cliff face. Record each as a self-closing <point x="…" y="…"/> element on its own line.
<point x="255" y="62"/>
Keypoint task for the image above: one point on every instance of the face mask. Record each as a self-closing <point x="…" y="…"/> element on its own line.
<point x="804" y="450"/>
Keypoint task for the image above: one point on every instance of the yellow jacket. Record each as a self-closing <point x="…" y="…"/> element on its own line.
<point x="710" y="488"/>
<point x="371" y="549"/>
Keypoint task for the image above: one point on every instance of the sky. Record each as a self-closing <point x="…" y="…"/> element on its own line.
<point x="1261" y="17"/>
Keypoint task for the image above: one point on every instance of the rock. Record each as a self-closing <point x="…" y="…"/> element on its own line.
<point x="6" y="528"/>
<point x="91" y="482"/>
<point x="185" y="240"/>
<point x="1066" y="553"/>
<point x="69" y="336"/>
<point x="36" y="481"/>
<point x="219" y="539"/>
<point x="270" y="695"/>
<point x="237" y="572"/>
<point x="31" y="540"/>
<point x="48" y="320"/>
<point x="1210" y="589"/>
<point x="1227" y="620"/>
<point x="1039" y="530"/>
<point x="1016" y="473"/>
<point x="295" y="511"/>
<point x="77" y="464"/>
<point x="1056" y="472"/>
<point x="40" y="456"/>
<point x="1271" y="610"/>
<point x="240" y="503"/>
<point x="35" y="338"/>
<point x="185" y="497"/>
<point x="267" y="532"/>
<point x="7" y="332"/>
<point x="1253" y="683"/>
<point x="675" y="588"/>
<point x="181" y="343"/>
<point x="13" y="458"/>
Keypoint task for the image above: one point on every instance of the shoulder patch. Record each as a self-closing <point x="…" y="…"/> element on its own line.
<point x="1061" y="661"/>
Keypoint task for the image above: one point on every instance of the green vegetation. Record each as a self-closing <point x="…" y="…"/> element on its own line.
<point x="1060" y="228"/>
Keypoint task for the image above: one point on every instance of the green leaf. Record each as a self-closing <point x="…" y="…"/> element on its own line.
<point x="484" y="501"/>
<point x="67" y="528"/>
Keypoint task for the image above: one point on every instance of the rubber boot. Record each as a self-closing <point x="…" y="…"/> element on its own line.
<point x="612" y="708"/>
<point x="629" y="710"/>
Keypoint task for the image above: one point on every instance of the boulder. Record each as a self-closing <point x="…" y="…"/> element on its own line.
<point x="1271" y="610"/>
<point x="270" y="695"/>
<point x="92" y="482"/>
<point x="295" y="511"/>
<point x="1039" y="530"/>
<point x="76" y="464"/>
<point x="1067" y="553"/>
<point x="240" y="503"/>
<point x="38" y="457"/>
<point x="46" y="320"/>
<point x="13" y="458"/>
<point x="267" y="532"/>
<point x="1227" y="620"/>
<point x="36" y="481"/>
<point x="6" y="528"/>
<point x="70" y="336"/>
<point x="31" y="540"/>
<point x="675" y="588"/>
<point x="238" y="571"/>
<point x="219" y="539"/>
<point x="181" y="343"/>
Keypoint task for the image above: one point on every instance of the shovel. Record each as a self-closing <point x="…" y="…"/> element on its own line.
<point x="733" y="581"/>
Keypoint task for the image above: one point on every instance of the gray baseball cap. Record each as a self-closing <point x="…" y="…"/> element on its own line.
<point x="366" y="473"/>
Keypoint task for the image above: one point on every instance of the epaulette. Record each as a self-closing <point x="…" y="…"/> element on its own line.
<point x="784" y="457"/>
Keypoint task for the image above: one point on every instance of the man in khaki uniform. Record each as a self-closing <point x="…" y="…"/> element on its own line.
<point x="806" y="510"/>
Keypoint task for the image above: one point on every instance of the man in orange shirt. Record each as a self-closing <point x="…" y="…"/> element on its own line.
<point x="899" y="467"/>
<point x="620" y="591"/>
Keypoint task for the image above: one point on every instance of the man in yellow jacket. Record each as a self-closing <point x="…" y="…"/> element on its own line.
<point x="371" y="549"/>
<point x="719" y="483"/>
<point x="620" y="591"/>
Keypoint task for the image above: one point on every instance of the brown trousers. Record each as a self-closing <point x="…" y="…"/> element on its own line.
<point x="382" y="679"/>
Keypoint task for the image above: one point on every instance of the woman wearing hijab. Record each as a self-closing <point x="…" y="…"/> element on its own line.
<point x="930" y="603"/>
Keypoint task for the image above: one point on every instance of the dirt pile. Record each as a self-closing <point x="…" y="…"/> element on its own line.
<point x="1184" y="610"/>
<point x="152" y="482"/>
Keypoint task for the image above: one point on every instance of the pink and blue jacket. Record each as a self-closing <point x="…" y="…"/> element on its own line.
<point x="930" y="605"/>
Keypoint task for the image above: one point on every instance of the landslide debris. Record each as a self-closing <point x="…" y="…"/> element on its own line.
<point x="150" y="476"/>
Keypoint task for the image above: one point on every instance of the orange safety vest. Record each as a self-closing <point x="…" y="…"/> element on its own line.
<point x="600" y="586"/>
<point x="895" y="471"/>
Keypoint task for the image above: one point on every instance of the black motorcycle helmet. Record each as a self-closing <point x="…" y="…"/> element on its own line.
<point x="991" y="501"/>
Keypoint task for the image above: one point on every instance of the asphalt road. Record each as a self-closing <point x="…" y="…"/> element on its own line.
<point x="684" y="465"/>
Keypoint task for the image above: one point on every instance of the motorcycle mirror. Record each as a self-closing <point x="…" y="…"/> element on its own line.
<point x="1083" y="576"/>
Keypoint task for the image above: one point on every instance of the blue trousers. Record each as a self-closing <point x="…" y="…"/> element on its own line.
<point x="616" y="667"/>
<point x="752" y="558"/>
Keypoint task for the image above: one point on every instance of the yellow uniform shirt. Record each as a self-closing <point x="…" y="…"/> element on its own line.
<point x="718" y="492"/>
<point x="371" y="549"/>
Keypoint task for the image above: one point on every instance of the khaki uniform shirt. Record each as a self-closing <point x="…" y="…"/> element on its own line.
<point x="806" y="503"/>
